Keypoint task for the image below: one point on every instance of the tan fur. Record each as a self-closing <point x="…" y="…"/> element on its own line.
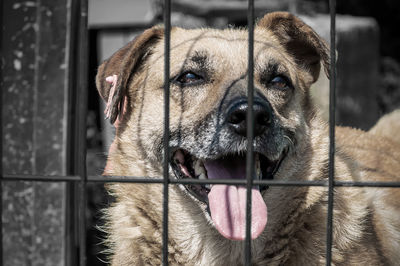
<point x="388" y="126"/>
<point x="366" y="225"/>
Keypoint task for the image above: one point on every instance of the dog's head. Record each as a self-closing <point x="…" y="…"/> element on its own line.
<point x="208" y="106"/>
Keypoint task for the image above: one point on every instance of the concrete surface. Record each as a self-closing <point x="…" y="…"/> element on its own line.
<point x="34" y="127"/>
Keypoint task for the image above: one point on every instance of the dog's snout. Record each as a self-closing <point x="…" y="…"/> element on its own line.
<point x="237" y="118"/>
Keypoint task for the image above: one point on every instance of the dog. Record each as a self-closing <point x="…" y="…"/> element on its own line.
<point x="208" y="139"/>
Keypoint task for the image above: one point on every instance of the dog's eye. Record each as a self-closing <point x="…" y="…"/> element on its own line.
<point x="189" y="78"/>
<point x="280" y="82"/>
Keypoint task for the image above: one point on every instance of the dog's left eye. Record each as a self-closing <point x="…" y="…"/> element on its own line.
<point x="280" y="82"/>
<point x="189" y="78"/>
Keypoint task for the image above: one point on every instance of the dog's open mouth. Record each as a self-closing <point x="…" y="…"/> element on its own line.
<point x="227" y="202"/>
<point x="229" y="167"/>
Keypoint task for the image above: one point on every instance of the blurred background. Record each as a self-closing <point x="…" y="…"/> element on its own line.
<point x="36" y="72"/>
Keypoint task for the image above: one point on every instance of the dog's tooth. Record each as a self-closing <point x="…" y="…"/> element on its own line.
<point x="197" y="165"/>
<point x="199" y="168"/>
<point x="207" y="186"/>
<point x="258" y="172"/>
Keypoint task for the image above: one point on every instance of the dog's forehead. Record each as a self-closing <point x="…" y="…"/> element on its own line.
<point x="227" y="47"/>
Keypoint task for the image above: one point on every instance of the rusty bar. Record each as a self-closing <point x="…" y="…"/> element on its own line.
<point x="167" y="36"/>
<point x="250" y="130"/>
<point x="332" y="122"/>
<point x="81" y="101"/>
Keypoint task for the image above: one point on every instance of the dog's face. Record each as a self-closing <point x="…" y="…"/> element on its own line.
<point x="208" y="107"/>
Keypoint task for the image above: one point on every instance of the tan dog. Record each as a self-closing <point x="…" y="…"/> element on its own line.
<point x="208" y="140"/>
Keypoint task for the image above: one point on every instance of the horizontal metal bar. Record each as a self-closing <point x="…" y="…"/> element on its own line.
<point x="131" y="27"/>
<point x="366" y="184"/>
<point x="127" y="179"/>
<point x="39" y="178"/>
<point x="159" y="180"/>
<point x="320" y="183"/>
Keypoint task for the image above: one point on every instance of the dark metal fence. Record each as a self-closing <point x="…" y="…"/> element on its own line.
<point x="77" y="140"/>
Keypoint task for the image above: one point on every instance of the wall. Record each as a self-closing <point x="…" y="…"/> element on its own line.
<point x="34" y="86"/>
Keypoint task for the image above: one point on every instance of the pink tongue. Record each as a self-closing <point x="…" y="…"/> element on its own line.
<point x="228" y="203"/>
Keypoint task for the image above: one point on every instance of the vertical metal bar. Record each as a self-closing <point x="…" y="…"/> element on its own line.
<point x="81" y="116"/>
<point x="332" y="122"/>
<point x="1" y="177"/>
<point x="250" y="129"/>
<point x="1" y="146"/>
<point x="167" y="36"/>
<point x="72" y="197"/>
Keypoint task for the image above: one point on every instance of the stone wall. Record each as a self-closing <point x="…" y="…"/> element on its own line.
<point x="34" y="108"/>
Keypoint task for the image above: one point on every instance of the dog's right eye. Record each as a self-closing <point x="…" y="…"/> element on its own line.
<point x="189" y="78"/>
<point x="280" y="82"/>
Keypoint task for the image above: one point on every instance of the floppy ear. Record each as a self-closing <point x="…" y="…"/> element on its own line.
<point x="300" y="40"/>
<point x="115" y="73"/>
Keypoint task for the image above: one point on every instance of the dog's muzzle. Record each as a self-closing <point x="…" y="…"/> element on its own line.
<point x="225" y="202"/>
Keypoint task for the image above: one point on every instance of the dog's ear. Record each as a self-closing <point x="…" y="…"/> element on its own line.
<point x="115" y="73"/>
<point x="300" y="40"/>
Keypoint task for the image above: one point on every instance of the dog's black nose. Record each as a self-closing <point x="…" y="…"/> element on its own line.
<point x="237" y="117"/>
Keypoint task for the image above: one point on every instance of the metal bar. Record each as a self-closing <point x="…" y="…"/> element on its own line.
<point x="128" y="179"/>
<point x="124" y="27"/>
<point x="250" y="130"/>
<point x="71" y="198"/>
<point x="81" y="116"/>
<point x="159" y="180"/>
<point x="167" y="36"/>
<point x="1" y="177"/>
<point x="1" y="148"/>
<point x="40" y="178"/>
<point x="366" y="184"/>
<point x="332" y="122"/>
